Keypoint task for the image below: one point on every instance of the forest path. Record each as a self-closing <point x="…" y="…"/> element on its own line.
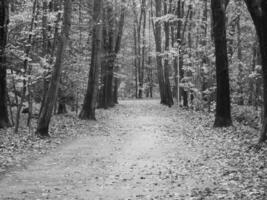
<point x="138" y="151"/>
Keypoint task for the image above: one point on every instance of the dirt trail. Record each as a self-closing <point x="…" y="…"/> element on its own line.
<point x="138" y="152"/>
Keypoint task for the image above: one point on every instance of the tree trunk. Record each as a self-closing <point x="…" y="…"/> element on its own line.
<point x="50" y="99"/>
<point x="240" y="66"/>
<point x="258" y="12"/>
<point x="158" y="49"/>
<point x="113" y="31"/>
<point x="167" y="88"/>
<point x="115" y="90"/>
<point x="90" y="100"/>
<point x="177" y="39"/>
<point x="4" y="19"/>
<point x="45" y="27"/>
<point x="109" y="84"/>
<point x="136" y="63"/>
<point x="26" y="66"/>
<point x="223" y="110"/>
<point x="203" y="80"/>
<point x="181" y="26"/>
<point x="142" y="68"/>
<point x="62" y="108"/>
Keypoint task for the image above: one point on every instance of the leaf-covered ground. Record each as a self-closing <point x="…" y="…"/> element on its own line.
<point x="137" y="150"/>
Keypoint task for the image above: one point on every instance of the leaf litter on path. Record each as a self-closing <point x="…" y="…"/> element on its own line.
<point x="142" y="150"/>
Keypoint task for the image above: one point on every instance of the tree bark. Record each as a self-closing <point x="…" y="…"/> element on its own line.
<point x="240" y="66"/>
<point x="49" y="102"/>
<point x="223" y="110"/>
<point x="258" y="12"/>
<point x="168" y="100"/>
<point x="158" y="49"/>
<point x="26" y="67"/>
<point x="90" y="100"/>
<point x="62" y="108"/>
<point x="4" y="20"/>
<point x="112" y="40"/>
<point x="135" y="62"/>
<point x="142" y="67"/>
<point x="115" y="90"/>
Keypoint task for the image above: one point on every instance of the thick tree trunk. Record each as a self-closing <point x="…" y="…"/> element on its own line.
<point x="223" y="110"/>
<point x="4" y="20"/>
<point x="168" y="100"/>
<point x="258" y="12"/>
<point x="158" y="50"/>
<point x="90" y="100"/>
<point x="49" y="102"/>
<point x="113" y="31"/>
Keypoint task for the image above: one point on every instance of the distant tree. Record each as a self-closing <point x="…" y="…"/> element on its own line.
<point x="112" y="34"/>
<point x="139" y="19"/>
<point x="4" y="20"/>
<point x="50" y="98"/>
<point x="223" y="110"/>
<point x="158" y="39"/>
<point x="258" y="12"/>
<point x="163" y="74"/>
<point x="90" y="99"/>
<point x="168" y="100"/>
<point x="26" y="68"/>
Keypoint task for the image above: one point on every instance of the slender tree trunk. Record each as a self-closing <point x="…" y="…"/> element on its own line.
<point x="181" y="26"/>
<point x="50" y="49"/>
<point x="142" y="67"/>
<point x="50" y="99"/>
<point x="175" y="64"/>
<point x="135" y="62"/>
<point x="45" y="27"/>
<point x="115" y="91"/>
<point x="62" y="108"/>
<point x="109" y="83"/>
<point x="4" y="19"/>
<point x="203" y="80"/>
<point x="25" y="67"/>
<point x="167" y="89"/>
<point x="150" y="68"/>
<point x="258" y="12"/>
<point x="252" y="83"/>
<point x="90" y="100"/>
<point x="223" y="110"/>
<point x="138" y="23"/>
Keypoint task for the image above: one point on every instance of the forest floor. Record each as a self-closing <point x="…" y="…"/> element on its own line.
<point x="139" y="150"/>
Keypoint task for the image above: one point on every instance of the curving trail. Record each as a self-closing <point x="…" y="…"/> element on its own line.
<point x="138" y="151"/>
